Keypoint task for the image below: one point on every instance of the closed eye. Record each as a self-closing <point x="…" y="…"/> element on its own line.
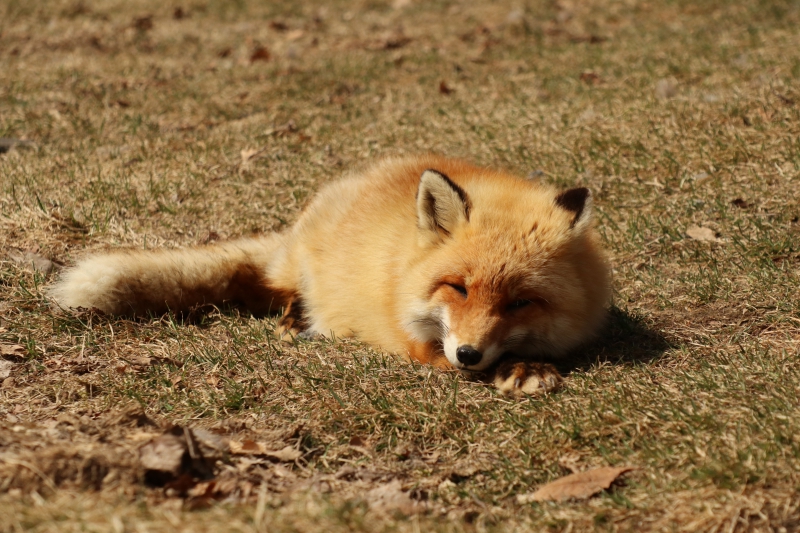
<point x="519" y="304"/>
<point x="460" y="288"/>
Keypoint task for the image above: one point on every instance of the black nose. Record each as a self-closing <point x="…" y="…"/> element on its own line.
<point x="468" y="355"/>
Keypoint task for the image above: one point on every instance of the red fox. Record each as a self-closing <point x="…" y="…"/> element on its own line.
<point x="430" y="258"/>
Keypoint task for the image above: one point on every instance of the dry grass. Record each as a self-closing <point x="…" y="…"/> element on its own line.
<point x="675" y="113"/>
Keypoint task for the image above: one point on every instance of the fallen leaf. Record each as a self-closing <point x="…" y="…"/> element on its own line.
<point x="700" y="233"/>
<point x="32" y="261"/>
<point x="579" y="486"/>
<point x="741" y="204"/>
<point x="260" y="53"/>
<point x="144" y="23"/>
<point x="7" y="144"/>
<point x="278" y="25"/>
<point x="12" y="350"/>
<point x="666" y="88"/>
<point x="164" y="454"/>
<point x="294" y="35"/>
<point x="139" y="360"/>
<point x="5" y="368"/>
<point x="592" y="78"/>
<point x="249" y="447"/>
<point x="444" y="88"/>
<point x="357" y="441"/>
<point x="287" y="454"/>
<point x="248" y="154"/>
<point x="390" y="498"/>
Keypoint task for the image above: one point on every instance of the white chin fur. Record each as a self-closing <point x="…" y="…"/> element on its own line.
<point x="450" y="346"/>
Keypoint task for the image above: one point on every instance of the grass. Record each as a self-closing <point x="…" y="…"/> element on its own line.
<point x="676" y="114"/>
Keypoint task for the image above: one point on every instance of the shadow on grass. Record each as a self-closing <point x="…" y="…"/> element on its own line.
<point x="626" y="338"/>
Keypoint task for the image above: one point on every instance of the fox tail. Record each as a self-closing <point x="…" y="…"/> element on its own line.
<point x="134" y="282"/>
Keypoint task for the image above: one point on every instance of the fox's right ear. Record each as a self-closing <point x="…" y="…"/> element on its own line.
<point x="441" y="205"/>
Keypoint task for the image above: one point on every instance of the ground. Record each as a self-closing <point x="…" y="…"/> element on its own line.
<point x="163" y="123"/>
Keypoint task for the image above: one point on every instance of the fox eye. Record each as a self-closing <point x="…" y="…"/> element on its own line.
<point x="460" y="288"/>
<point x="519" y="303"/>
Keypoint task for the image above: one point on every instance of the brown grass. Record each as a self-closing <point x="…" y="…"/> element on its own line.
<point x="167" y="124"/>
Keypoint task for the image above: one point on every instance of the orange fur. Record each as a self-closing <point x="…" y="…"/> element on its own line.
<point x="419" y="263"/>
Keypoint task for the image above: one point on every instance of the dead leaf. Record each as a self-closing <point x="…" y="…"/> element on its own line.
<point x="12" y="350"/>
<point x="444" y="88"/>
<point x="5" y="368"/>
<point x="260" y="53"/>
<point x="248" y="154"/>
<point x="164" y="454"/>
<point x="249" y="447"/>
<point x="357" y="441"/>
<point x="579" y="486"/>
<point x="592" y="78"/>
<point x="294" y="35"/>
<point x="7" y="144"/>
<point x="700" y="233"/>
<point x="144" y="23"/>
<point x="390" y="498"/>
<point x="287" y="454"/>
<point x="741" y="204"/>
<point x="666" y="88"/>
<point x="32" y="261"/>
<point x="137" y="360"/>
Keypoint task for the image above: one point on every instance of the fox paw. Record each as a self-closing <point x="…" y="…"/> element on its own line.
<point x="516" y="378"/>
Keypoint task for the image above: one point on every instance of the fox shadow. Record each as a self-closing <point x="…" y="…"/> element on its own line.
<point x="626" y="338"/>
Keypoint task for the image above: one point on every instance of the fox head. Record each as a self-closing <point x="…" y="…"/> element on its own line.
<point x="503" y="266"/>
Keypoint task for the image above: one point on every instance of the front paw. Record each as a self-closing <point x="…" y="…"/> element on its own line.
<point x="516" y="378"/>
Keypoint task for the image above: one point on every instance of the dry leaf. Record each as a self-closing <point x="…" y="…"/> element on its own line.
<point x="163" y="454"/>
<point x="32" y="261"/>
<point x="592" y="78"/>
<point x="287" y="454"/>
<point x="390" y="498"/>
<point x="144" y="23"/>
<point x="666" y="88"/>
<point x="580" y="486"/>
<point x="5" y="368"/>
<point x="444" y="88"/>
<point x="13" y="350"/>
<point x="249" y="447"/>
<point x="294" y="35"/>
<point x="259" y="54"/>
<point x="700" y="233"/>
<point x="7" y="144"/>
<point x="248" y="154"/>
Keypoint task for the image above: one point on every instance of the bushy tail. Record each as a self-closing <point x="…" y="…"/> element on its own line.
<point x="141" y="282"/>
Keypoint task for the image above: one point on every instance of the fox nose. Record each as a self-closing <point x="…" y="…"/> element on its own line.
<point x="468" y="355"/>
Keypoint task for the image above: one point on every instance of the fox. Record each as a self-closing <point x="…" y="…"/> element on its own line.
<point x="429" y="258"/>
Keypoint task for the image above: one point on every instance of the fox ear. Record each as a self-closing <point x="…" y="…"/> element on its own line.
<point x="441" y="204"/>
<point x="577" y="201"/>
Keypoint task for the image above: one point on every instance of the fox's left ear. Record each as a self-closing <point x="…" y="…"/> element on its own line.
<point x="577" y="201"/>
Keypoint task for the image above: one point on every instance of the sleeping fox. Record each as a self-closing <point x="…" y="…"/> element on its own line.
<point x="426" y="257"/>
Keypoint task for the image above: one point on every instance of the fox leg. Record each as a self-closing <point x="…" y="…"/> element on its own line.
<point x="517" y="377"/>
<point x="293" y="321"/>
